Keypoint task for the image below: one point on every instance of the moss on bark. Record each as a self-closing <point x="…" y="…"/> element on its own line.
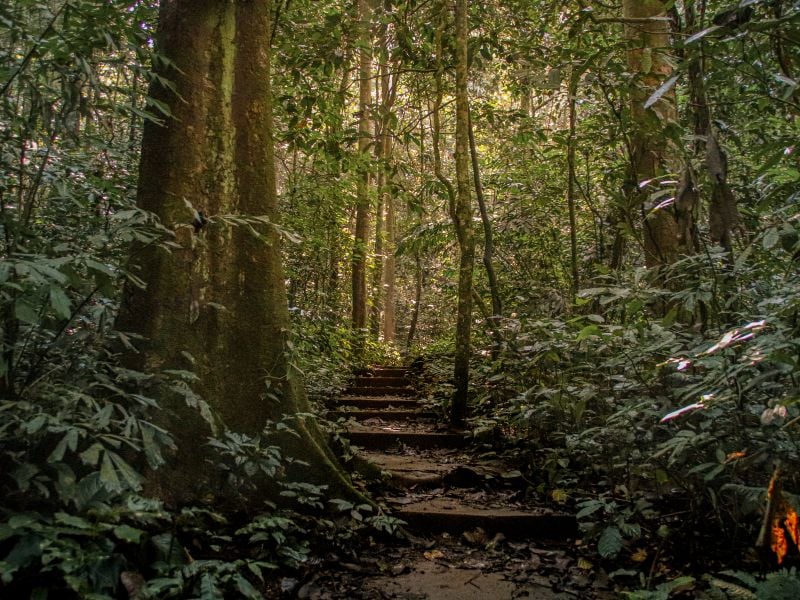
<point x="216" y="304"/>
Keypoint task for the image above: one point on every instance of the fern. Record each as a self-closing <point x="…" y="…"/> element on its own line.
<point x="731" y="590"/>
<point x="750" y="497"/>
<point x="781" y="585"/>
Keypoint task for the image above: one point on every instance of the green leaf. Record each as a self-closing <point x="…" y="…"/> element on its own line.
<point x="610" y="542"/>
<point x="659" y="93"/>
<point x="151" y="450"/>
<point x="340" y="504"/>
<point x="35" y="424"/>
<point x="23" y="553"/>
<point x="59" y="302"/>
<point x="126" y="533"/>
<point x="73" y="521"/>
<point x="25" y="312"/>
<point x="21" y="521"/>
<point x="131" y="477"/>
<point x="588" y="508"/>
<point x="88" y="489"/>
<point x="70" y="440"/>
<point x="246" y="588"/>
<point x="209" y="589"/>
<point x="91" y="455"/>
<point x="771" y="238"/>
<point x="108" y="475"/>
<point x="701" y="34"/>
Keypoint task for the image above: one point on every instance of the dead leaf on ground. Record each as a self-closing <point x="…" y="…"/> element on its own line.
<point x="476" y="537"/>
<point x="433" y="554"/>
<point x="639" y="556"/>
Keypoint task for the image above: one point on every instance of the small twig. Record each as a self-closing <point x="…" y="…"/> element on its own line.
<point x="472" y="579"/>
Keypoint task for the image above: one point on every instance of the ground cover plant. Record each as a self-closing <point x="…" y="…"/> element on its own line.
<point x="577" y="223"/>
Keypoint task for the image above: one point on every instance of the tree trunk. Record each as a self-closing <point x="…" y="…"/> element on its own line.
<point x="572" y="92"/>
<point x="389" y="92"/>
<point x="412" y="328"/>
<point x="388" y="275"/>
<point x="723" y="213"/>
<point x="488" y="246"/>
<point x="216" y="304"/>
<point x="663" y="225"/>
<point x="463" y="222"/>
<point x="359" y="262"/>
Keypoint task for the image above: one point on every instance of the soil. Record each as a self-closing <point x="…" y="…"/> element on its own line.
<point x="471" y="533"/>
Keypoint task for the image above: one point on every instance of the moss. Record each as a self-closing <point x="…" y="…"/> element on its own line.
<point x="216" y="153"/>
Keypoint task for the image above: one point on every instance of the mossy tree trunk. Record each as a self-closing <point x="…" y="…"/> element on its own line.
<point x="667" y="228"/>
<point x="216" y="305"/>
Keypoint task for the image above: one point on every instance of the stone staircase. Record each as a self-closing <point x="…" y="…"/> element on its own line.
<point x="436" y="485"/>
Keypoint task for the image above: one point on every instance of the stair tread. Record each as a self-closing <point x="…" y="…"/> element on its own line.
<point x="379" y="391"/>
<point x="386" y="413"/>
<point x="449" y="514"/>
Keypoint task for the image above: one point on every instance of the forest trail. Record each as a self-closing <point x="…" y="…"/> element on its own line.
<point x="472" y="533"/>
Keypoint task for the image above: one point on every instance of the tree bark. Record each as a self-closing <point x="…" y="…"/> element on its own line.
<point x="723" y="213"/>
<point x="359" y="262"/>
<point x="463" y="221"/>
<point x="216" y="304"/>
<point x="493" y="321"/>
<point x="412" y="328"/>
<point x="648" y="32"/>
<point x="572" y="92"/>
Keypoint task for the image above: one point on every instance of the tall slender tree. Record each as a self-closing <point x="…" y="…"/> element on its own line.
<point x="462" y="216"/>
<point x="359" y="262"/>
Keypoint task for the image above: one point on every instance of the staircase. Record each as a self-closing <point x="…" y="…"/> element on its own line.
<point x="436" y="485"/>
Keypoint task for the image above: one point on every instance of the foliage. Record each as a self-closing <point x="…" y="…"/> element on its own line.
<point x="780" y="585"/>
<point x="633" y="392"/>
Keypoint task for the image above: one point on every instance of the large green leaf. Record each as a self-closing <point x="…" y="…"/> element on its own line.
<point x="610" y="542"/>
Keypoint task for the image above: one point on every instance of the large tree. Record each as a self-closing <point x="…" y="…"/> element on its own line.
<point x="668" y="227"/>
<point x="216" y="304"/>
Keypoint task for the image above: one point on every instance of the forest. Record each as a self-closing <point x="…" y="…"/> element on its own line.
<point x="276" y="272"/>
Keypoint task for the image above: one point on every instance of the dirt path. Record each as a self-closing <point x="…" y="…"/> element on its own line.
<point x="472" y="533"/>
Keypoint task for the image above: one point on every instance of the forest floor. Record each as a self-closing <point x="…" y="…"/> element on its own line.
<point x="471" y="533"/>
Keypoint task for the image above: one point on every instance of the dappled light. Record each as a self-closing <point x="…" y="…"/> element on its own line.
<point x="399" y="299"/>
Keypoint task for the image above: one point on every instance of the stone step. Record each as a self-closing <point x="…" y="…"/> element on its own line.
<point x="453" y="516"/>
<point x="381" y="382"/>
<point x="380" y="439"/>
<point x="388" y="414"/>
<point x="379" y="391"/>
<point x="379" y="402"/>
<point x="385" y="371"/>
<point x="387" y="367"/>
<point x="414" y="471"/>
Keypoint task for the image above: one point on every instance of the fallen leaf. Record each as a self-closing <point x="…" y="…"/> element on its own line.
<point x="476" y="537"/>
<point x="584" y="564"/>
<point x="433" y="554"/>
<point x="639" y="556"/>
<point x="497" y="539"/>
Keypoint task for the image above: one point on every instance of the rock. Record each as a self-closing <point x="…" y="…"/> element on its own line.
<point x="399" y="570"/>
<point x="309" y="591"/>
<point x="288" y="585"/>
